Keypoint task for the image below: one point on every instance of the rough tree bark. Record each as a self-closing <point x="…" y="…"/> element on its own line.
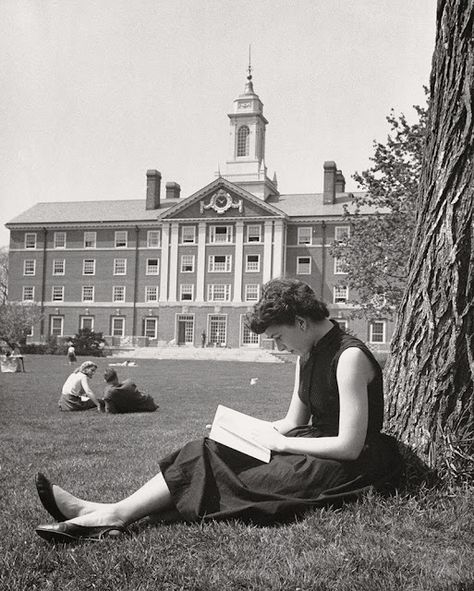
<point x="430" y="373"/>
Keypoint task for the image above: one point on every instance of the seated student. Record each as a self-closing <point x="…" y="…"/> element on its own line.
<point x="125" y="397"/>
<point x="76" y="392"/>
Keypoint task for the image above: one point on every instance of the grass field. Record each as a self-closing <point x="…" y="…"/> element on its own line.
<point x="422" y="541"/>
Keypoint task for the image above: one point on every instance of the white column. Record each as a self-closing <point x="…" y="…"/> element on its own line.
<point x="278" y="249"/>
<point x="267" y="251"/>
<point x="201" y="262"/>
<point x="165" y="241"/>
<point x="238" y="256"/>
<point x="173" y="263"/>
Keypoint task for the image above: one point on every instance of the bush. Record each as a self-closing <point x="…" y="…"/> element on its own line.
<point x="88" y="342"/>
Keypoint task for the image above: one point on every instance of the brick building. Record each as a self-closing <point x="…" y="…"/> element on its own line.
<point x="166" y="268"/>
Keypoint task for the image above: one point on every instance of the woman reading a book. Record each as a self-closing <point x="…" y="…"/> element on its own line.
<point x="327" y="449"/>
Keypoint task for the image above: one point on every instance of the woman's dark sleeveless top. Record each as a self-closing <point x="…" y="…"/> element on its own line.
<point x="318" y="385"/>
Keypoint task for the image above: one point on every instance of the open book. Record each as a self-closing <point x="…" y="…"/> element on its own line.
<point x="235" y="429"/>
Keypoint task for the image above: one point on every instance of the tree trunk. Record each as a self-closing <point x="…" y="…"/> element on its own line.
<point x="430" y="373"/>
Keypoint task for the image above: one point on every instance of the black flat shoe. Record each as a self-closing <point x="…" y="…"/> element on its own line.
<point x="71" y="532"/>
<point x="45" y="493"/>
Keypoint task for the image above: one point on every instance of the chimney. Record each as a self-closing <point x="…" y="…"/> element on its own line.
<point x="153" y="185"/>
<point x="329" y="191"/>
<point x="340" y="182"/>
<point x="172" y="190"/>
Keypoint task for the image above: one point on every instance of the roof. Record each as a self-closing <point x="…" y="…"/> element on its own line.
<point x="311" y="204"/>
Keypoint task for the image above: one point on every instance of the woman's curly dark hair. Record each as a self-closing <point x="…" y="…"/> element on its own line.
<point x="282" y="301"/>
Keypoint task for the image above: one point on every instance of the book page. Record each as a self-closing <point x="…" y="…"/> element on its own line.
<point x="235" y="429"/>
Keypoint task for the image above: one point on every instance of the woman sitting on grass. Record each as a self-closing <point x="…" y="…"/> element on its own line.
<point x="323" y="461"/>
<point x="77" y="386"/>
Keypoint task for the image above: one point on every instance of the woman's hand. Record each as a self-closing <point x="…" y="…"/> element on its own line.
<point x="270" y="438"/>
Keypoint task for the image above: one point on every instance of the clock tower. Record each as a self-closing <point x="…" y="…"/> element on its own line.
<point x="246" y="163"/>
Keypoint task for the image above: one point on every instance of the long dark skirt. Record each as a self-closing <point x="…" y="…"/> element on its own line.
<point x="208" y="480"/>
<point x="69" y="402"/>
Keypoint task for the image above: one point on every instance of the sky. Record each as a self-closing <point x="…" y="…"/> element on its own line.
<point x="95" y="92"/>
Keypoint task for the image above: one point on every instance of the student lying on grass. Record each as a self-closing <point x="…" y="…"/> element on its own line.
<point x="122" y="397"/>
<point x="331" y="458"/>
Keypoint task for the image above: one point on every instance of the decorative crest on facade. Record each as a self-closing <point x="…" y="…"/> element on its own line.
<point x="220" y="202"/>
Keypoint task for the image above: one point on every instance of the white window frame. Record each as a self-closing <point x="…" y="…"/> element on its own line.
<point x="151" y="293"/>
<point x="120" y="266"/>
<point x="83" y="292"/>
<point x="247" y="337"/>
<point x="81" y="323"/>
<point x="342" y="233"/>
<point x="153" y="239"/>
<point x="187" y="260"/>
<point x="338" y="263"/>
<point x="121" y="239"/>
<point x="113" y="327"/>
<point x="186" y="289"/>
<point x="28" y="293"/>
<point x="118" y="294"/>
<point x="29" y="267"/>
<point x="214" y="289"/>
<point x="30" y="240"/>
<point x="252" y="292"/>
<point x="52" y="330"/>
<point x="57" y="293"/>
<point x="229" y="234"/>
<point x="224" y="266"/>
<point x="88" y="267"/>
<point x="300" y="269"/>
<point x="340" y="294"/>
<point x="90" y="239"/>
<point x="62" y="263"/>
<point x="256" y="237"/>
<point x="252" y="266"/>
<point x="188" y="234"/>
<point x="154" y="321"/>
<point x="305" y="235"/>
<point x="57" y="242"/>
<point x="343" y="323"/>
<point x="372" y="332"/>
<point x="152" y="269"/>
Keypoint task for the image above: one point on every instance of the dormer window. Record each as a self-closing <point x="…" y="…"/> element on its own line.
<point x="243" y="141"/>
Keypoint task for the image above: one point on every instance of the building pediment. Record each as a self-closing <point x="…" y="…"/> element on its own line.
<point x="224" y="200"/>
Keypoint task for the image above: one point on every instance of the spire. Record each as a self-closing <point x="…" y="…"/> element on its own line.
<point x="249" y="84"/>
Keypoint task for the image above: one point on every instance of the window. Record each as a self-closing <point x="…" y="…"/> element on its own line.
<point x="254" y="233"/>
<point x="151" y="293"/>
<point x="118" y="293"/>
<point x="87" y="322"/>
<point x="377" y="331"/>
<point x="343" y="323"/>
<point x="30" y="240"/>
<point x="186" y="292"/>
<point x="90" y="239"/>
<point x="249" y="338"/>
<point x="252" y="263"/>
<point x="221" y="234"/>
<point x="118" y="326"/>
<point x="29" y="267"/>
<point x="120" y="266"/>
<point x="59" y="266"/>
<point x="153" y="239"/>
<point x="218" y="292"/>
<point x="243" y="141"/>
<point x="150" y="328"/>
<point x="121" y="239"/>
<point x="220" y="263"/>
<point x="342" y="233"/>
<point x="87" y="293"/>
<point x="305" y="235"/>
<point x="187" y="263"/>
<point x="59" y="240"/>
<point x="152" y="266"/>
<point x="88" y="267"/>
<point x="340" y="266"/>
<point x="217" y="330"/>
<point x="188" y="234"/>
<point x="57" y="293"/>
<point x="56" y="326"/>
<point x="252" y="292"/>
<point x="341" y="294"/>
<point x="28" y="293"/>
<point x="303" y="265"/>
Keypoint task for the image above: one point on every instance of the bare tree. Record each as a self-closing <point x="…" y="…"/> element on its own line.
<point x="430" y="374"/>
<point x="3" y="274"/>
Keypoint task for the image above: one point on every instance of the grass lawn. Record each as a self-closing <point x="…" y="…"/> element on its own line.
<point x="408" y="543"/>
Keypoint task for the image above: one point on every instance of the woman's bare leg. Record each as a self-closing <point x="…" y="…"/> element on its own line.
<point x="152" y="497"/>
<point x="71" y="506"/>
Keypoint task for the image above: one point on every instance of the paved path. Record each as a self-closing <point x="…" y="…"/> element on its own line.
<point x="214" y="353"/>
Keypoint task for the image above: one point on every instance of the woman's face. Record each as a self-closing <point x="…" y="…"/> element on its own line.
<point x="290" y="337"/>
<point x="90" y="371"/>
